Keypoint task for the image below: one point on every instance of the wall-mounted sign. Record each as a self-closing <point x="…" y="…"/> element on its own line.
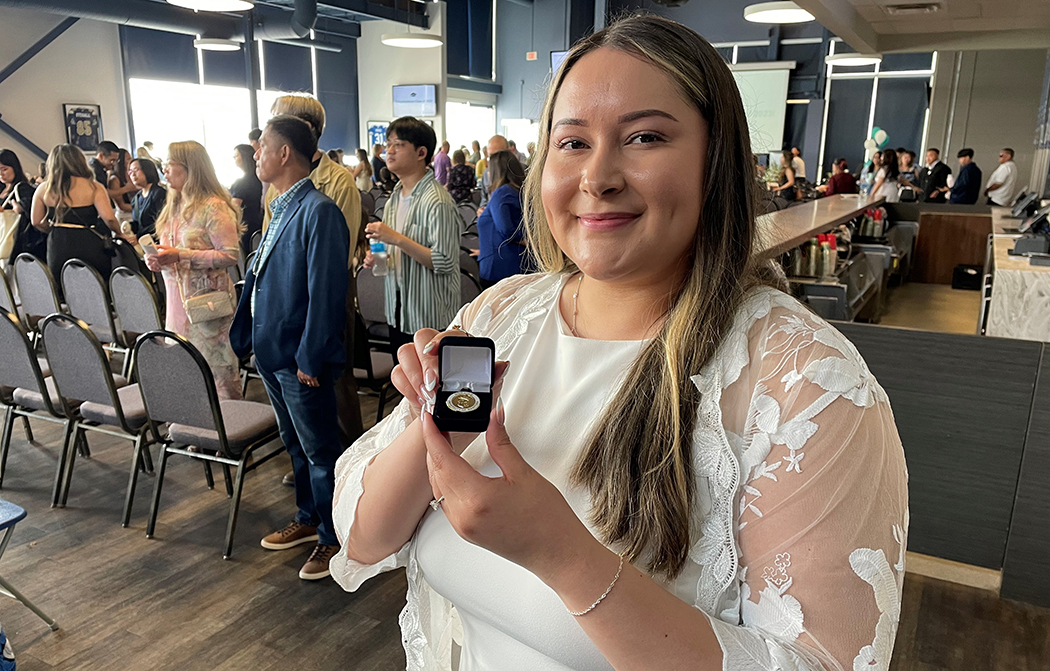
<point x="376" y="132"/>
<point x="83" y="125"/>
<point x="530" y="55"/>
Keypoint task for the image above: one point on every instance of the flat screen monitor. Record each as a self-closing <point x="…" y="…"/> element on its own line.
<point x="556" y="58"/>
<point x="416" y="100"/>
<point x="1036" y="222"/>
<point x="1024" y="201"/>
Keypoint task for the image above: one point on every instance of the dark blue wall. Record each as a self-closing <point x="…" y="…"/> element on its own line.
<point x="542" y="28"/>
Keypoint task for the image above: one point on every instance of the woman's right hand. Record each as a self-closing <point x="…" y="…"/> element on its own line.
<point x="152" y="262"/>
<point x="368" y="263"/>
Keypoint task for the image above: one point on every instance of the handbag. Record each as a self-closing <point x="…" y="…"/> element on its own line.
<point x="203" y="307"/>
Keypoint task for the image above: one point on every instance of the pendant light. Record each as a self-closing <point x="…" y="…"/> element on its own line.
<point x="216" y="44"/>
<point x="408" y="39"/>
<point x="215" y="5"/>
<point x="776" y="12"/>
<point x="852" y="60"/>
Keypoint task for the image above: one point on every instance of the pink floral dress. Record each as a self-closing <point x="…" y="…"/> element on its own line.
<point x="208" y="246"/>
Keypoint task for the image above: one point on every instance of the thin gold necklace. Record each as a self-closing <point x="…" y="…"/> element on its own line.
<point x="576" y="306"/>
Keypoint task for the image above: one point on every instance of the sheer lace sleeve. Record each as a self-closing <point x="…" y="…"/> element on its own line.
<point x="488" y="315"/>
<point x="821" y="515"/>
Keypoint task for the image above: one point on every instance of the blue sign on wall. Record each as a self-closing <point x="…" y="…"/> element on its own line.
<point x="377" y="132"/>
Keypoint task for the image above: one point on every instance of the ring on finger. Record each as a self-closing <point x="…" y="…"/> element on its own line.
<point x="436" y="503"/>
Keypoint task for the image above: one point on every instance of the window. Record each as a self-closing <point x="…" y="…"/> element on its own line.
<point x="466" y="122"/>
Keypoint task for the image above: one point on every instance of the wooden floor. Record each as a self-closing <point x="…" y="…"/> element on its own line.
<point x="933" y="307"/>
<point x="130" y="603"/>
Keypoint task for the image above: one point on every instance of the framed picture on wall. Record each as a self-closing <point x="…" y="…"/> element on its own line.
<point x="83" y="125"/>
<point x="376" y="132"/>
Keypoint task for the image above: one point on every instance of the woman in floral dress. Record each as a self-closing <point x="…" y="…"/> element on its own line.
<point x="197" y="238"/>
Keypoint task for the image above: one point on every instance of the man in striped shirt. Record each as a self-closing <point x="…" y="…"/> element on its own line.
<point x="420" y="227"/>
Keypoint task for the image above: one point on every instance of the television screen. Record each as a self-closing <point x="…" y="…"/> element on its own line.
<point x="556" y="58"/>
<point x="416" y="100"/>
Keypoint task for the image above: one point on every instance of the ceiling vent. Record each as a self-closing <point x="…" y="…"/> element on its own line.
<point x="913" y="8"/>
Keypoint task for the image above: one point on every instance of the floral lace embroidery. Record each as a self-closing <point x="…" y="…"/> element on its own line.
<point x="776" y="611"/>
<point x="872" y="567"/>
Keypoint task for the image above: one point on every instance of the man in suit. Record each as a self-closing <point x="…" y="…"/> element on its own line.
<point x="934" y="177"/>
<point x="292" y="314"/>
<point x="967" y="187"/>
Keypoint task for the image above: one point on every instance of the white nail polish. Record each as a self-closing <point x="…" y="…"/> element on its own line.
<point x="501" y="412"/>
<point x="430" y="379"/>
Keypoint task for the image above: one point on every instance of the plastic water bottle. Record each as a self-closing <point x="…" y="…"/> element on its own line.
<point x="379" y="257"/>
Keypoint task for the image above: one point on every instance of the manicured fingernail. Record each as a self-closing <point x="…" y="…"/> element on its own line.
<point x="425" y="393"/>
<point x="506" y="367"/>
<point x="429" y="347"/>
<point x="430" y="379"/>
<point x="501" y="412"/>
<point x="421" y="402"/>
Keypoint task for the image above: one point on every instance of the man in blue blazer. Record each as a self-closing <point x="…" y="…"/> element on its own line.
<point x="292" y="314"/>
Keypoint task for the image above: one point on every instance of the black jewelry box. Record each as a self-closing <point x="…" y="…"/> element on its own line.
<point x="467" y="368"/>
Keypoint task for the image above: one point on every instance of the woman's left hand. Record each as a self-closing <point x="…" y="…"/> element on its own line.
<point x="380" y="232"/>
<point x="167" y="256"/>
<point x="520" y="516"/>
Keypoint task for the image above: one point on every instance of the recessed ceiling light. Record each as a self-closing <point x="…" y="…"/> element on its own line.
<point x="411" y="40"/>
<point x="776" y="12"/>
<point x="215" y="5"/>
<point x="853" y="60"/>
<point x="216" y="44"/>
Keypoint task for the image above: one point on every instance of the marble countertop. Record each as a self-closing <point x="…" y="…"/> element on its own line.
<point x="1004" y="228"/>
<point x="1020" y="303"/>
<point x="780" y="231"/>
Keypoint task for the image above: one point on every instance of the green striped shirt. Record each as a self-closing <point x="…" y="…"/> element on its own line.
<point x="429" y="298"/>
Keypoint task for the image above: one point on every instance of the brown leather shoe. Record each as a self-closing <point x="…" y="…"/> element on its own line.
<point x="292" y="535"/>
<point x="289" y="479"/>
<point x="316" y="567"/>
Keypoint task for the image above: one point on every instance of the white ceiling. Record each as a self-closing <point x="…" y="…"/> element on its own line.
<point x="869" y="25"/>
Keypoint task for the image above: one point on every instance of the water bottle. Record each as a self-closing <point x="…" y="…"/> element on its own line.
<point x="379" y="257"/>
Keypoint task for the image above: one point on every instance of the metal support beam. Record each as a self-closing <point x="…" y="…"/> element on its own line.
<point x="378" y="11"/>
<point x="773" y="50"/>
<point x="250" y="70"/>
<point x="23" y="140"/>
<point x="37" y="47"/>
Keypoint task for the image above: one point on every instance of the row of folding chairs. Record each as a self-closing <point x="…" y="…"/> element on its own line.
<point x="73" y="385"/>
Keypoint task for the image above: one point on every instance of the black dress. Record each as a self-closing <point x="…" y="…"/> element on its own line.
<point x="249" y="190"/>
<point x="28" y="238"/>
<point x="81" y="234"/>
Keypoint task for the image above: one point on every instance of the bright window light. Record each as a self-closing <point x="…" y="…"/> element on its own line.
<point x="522" y="131"/>
<point x="465" y="123"/>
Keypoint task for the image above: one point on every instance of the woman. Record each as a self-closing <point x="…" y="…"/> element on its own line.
<point x="149" y="201"/>
<point x="867" y="174"/>
<point x="786" y="188"/>
<point x="841" y="181"/>
<point x="247" y="194"/>
<point x="17" y="196"/>
<point x="660" y="408"/>
<point x="197" y="242"/>
<point x="75" y="211"/>
<point x="888" y="180"/>
<point x="119" y="187"/>
<point x="475" y="153"/>
<point x="907" y="165"/>
<point x="482" y="164"/>
<point x="362" y="172"/>
<point x="461" y="180"/>
<point x="500" y="236"/>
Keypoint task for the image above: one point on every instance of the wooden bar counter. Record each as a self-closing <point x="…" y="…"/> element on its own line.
<point x="783" y="230"/>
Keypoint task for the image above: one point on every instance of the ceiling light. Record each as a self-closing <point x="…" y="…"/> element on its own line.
<point x="412" y="40"/>
<point x="216" y="44"/>
<point x="853" y="60"/>
<point x="215" y="5"/>
<point x="776" y="12"/>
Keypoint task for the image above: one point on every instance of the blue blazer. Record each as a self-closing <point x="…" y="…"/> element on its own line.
<point x="300" y="305"/>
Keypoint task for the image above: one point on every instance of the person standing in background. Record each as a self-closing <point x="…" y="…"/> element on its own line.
<point x="362" y="172"/>
<point x="460" y="178"/>
<point x="148" y="202"/>
<point x="292" y="315"/>
<point x="1002" y="185"/>
<point x="797" y="163"/>
<point x="496" y="143"/>
<point x="17" y="196"/>
<point x="197" y="235"/>
<point x="253" y="138"/>
<point x="105" y="158"/>
<point x="475" y="155"/>
<point x="531" y="148"/>
<point x="120" y="187"/>
<point x="377" y="163"/>
<point x="906" y="159"/>
<point x="501" y="238"/>
<point x="888" y="179"/>
<point x="841" y="180"/>
<point x="442" y="164"/>
<point x="247" y="193"/>
<point x="967" y="185"/>
<point x="934" y="177"/>
<point x="513" y="147"/>
<point x="337" y="183"/>
<point x="787" y="188"/>
<point x="420" y="227"/>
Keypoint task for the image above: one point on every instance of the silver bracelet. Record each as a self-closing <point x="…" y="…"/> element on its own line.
<point x="604" y="594"/>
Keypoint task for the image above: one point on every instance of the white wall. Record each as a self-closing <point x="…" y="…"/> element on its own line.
<point x="81" y="66"/>
<point x="380" y="67"/>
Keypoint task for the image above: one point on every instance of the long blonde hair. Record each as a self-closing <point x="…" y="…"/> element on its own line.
<point x="63" y="164"/>
<point x="201" y="185"/>
<point x="638" y="462"/>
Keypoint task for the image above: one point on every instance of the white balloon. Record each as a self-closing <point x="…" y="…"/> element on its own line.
<point x="869" y="144"/>
<point x="881" y="136"/>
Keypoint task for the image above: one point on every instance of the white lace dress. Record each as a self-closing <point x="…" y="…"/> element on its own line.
<point x="801" y="509"/>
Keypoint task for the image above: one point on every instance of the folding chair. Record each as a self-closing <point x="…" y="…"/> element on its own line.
<point x="178" y="387"/>
<point x="469" y="213"/>
<point x="10" y="515"/>
<point x="368" y="201"/>
<point x="7" y="297"/>
<point x="372" y="367"/>
<point x="87" y="298"/>
<point x="469" y="287"/>
<point x="136" y="303"/>
<point x="381" y="205"/>
<point x="80" y="369"/>
<point x="253" y="244"/>
<point x="36" y="290"/>
<point x="371" y="299"/>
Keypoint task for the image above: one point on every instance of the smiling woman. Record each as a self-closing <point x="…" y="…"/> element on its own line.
<point x="684" y="468"/>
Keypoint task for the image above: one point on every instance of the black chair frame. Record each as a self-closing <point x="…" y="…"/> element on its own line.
<point x="128" y="336"/>
<point x="8" y="294"/>
<point x="142" y="438"/>
<point x="363" y="354"/>
<point x="225" y="455"/>
<point x="118" y="345"/>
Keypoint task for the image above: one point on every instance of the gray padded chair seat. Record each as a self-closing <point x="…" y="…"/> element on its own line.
<point x="130" y="402"/>
<point x="382" y="366"/>
<point x="245" y="421"/>
<point x="29" y="398"/>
